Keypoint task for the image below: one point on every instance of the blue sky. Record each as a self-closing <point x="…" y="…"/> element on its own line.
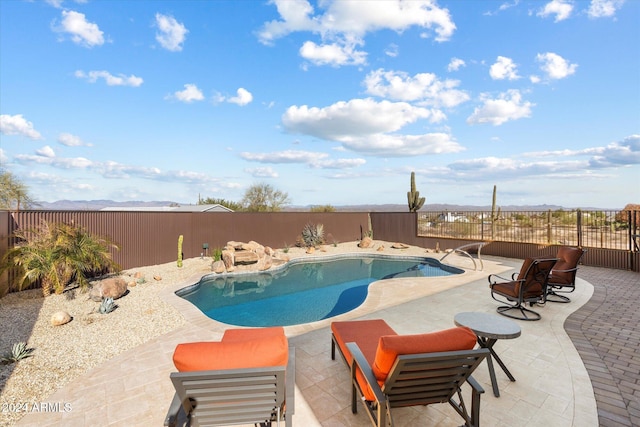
<point x="332" y="102"/>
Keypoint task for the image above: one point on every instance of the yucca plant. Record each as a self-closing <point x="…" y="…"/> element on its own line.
<point x="18" y="351"/>
<point x="313" y="235"/>
<point x="107" y="306"/>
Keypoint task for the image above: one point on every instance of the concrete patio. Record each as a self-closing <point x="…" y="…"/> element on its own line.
<point x="553" y="386"/>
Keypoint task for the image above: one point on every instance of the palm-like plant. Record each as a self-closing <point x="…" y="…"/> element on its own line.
<point x="56" y="254"/>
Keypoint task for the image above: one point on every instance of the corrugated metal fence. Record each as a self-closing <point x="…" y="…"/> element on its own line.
<point x="150" y="238"/>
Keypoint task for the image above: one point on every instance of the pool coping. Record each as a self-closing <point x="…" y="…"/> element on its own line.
<point x="381" y="294"/>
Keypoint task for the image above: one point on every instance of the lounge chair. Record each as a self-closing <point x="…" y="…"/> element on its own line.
<point x="528" y="286"/>
<point x="246" y="378"/>
<point x="562" y="278"/>
<point x="390" y="370"/>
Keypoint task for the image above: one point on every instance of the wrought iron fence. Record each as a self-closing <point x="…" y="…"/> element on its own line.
<point x="596" y="229"/>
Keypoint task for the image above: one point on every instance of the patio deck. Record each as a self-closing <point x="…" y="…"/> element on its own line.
<point x="572" y="368"/>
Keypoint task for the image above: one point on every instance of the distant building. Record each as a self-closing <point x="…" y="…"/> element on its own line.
<point x="177" y="208"/>
<point x="452" y="217"/>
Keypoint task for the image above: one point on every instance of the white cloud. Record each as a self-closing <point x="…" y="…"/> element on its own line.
<point x="171" y="34"/>
<point x="71" y="140"/>
<point x="110" y="80"/>
<point x="311" y="158"/>
<point x="3" y="156"/>
<point x="18" y="125"/>
<point x="504" y="68"/>
<point x="189" y="94"/>
<point x="455" y="64"/>
<point x="508" y="106"/>
<point x="391" y="50"/>
<point x="46" y="151"/>
<point x="560" y="8"/>
<point x="367" y="126"/>
<point x="358" y="18"/>
<point x="393" y="145"/>
<point x="625" y="152"/>
<point x="604" y="8"/>
<point x="262" y="172"/>
<point x="425" y="88"/>
<point x="335" y="54"/>
<point x="357" y="117"/>
<point x="342" y="25"/>
<point x="243" y="97"/>
<point x="82" y="32"/>
<point x="555" y="66"/>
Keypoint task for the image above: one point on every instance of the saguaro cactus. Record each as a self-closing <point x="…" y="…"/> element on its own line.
<point x="413" y="196"/>
<point x="495" y="215"/>
<point x="180" y="251"/>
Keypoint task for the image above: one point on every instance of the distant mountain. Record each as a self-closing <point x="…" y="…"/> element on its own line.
<point x="95" y="205"/>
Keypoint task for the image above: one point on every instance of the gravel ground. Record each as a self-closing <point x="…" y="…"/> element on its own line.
<point x="63" y="353"/>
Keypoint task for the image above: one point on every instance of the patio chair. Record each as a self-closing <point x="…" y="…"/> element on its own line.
<point x="527" y="286"/>
<point x="562" y="278"/>
<point x="390" y="370"/>
<point x="246" y="378"/>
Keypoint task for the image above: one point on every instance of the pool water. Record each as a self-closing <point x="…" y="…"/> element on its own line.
<point x="302" y="292"/>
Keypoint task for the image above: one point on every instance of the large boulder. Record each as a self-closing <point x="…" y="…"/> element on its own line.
<point x="228" y="257"/>
<point x="113" y="287"/>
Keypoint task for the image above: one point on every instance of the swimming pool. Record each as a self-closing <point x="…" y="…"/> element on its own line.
<point x="304" y="290"/>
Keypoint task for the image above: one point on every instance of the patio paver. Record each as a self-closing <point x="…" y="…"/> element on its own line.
<point x="560" y="375"/>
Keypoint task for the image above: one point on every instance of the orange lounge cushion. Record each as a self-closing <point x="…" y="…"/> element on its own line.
<point x="244" y="334"/>
<point x="254" y="353"/>
<point x="365" y="333"/>
<point x="391" y="346"/>
<point x="381" y="345"/>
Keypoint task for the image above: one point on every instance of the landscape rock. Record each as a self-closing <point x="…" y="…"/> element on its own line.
<point x="113" y="287"/>
<point x="365" y="243"/>
<point x="245" y="257"/>
<point x="60" y="318"/>
<point x="265" y="263"/>
<point x="132" y="284"/>
<point x="310" y="250"/>
<point x="380" y="248"/>
<point x="228" y="259"/>
<point x="399" y="246"/>
<point x="157" y="278"/>
<point x="218" y="267"/>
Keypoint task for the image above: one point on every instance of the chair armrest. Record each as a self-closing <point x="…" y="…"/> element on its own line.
<point x="504" y="279"/>
<point x="172" y="414"/>
<point x="290" y="380"/>
<point x="475" y="385"/>
<point x="360" y="362"/>
<point x="564" y="271"/>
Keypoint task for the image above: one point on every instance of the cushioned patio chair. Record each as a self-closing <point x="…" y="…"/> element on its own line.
<point x="390" y="370"/>
<point x="246" y="378"/>
<point x="562" y="278"/>
<point x="527" y="286"/>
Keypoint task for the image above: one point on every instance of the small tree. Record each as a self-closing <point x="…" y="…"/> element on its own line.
<point x="264" y="198"/>
<point x="56" y="254"/>
<point x="13" y="193"/>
